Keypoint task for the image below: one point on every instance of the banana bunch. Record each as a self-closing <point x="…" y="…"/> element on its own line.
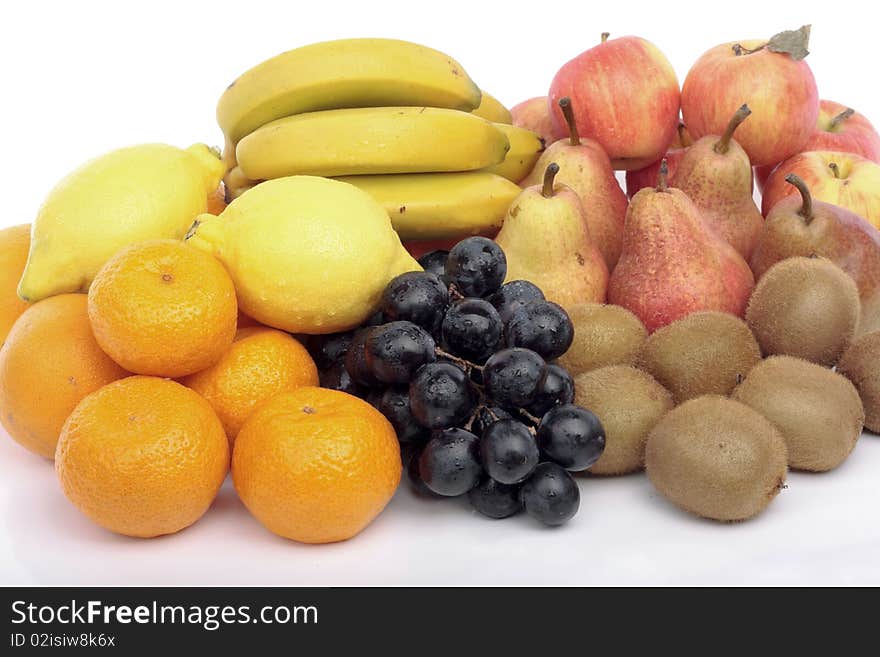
<point x="401" y="121"/>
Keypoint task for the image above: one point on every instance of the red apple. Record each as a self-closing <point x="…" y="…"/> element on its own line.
<point x="780" y="91"/>
<point x="647" y="176"/>
<point x="534" y="114"/>
<point x="843" y="179"/>
<point x="626" y="98"/>
<point x="838" y="128"/>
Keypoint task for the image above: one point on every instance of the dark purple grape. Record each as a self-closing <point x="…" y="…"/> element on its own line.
<point x="551" y="495"/>
<point x="450" y="462"/>
<point x="395" y="351"/>
<point x="434" y="262"/>
<point x="394" y="405"/>
<point x="336" y="377"/>
<point x="513" y="296"/>
<point x="476" y="266"/>
<point x="542" y="326"/>
<point x="486" y="415"/>
<point x="471" y="329"/>
<point x="494" y="499"/>
<point x="508" y="451"/>
<point x="556" y="388"/>
<point x="356" y="360"/>
<point x="571" y="436"/>
<point x="441" y="396"/>
<point x="330" y="349"/>
<point x="512" y="377"/>
<point x="418" y="297"/>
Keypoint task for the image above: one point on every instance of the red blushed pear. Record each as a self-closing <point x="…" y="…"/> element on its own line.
<point x="626" y="97"/>
<point x="843" y="179"/>
<point x="546" y="241"/>
<point x="673" y="264"/>
<point x="838" y="128"/>
<point x="800" y="226"/>
<point x="586" y="169"/>
<point x="534" y="114"/>
<point x="647" y="176"/>
<point x="717" y="176"/>
<point x="772" y="78"/>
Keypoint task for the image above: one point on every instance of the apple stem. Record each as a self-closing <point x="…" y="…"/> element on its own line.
<point x="605" y="36"/>
<point x="806" y="210"/>
<point x="840" y="118"/>
<point x="739" y="50"/>
<point x="834" y="169"/>
<point x="568" y="113"/>
<point x="681" y="129"/>
<point x="739" y="116"/>
<point x="662" y="184"/>
<point x="549" y="176"/>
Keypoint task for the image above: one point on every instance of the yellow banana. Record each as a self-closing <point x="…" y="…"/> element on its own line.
<point x="371" y="140"/>
<point x="525" y="149"/>
<point x="491" y="109"/>
<point x="440" y="205"/>
<point x="236" y="183"/>
<point x="344" y="73"/>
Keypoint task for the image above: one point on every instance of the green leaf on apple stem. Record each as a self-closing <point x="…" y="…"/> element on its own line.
<point x="791" y="42"/>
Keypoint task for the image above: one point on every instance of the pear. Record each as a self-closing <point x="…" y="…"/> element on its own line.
<point x="717" y="176"/>
<point x="547" y="241"/>
<point x="800" y="226"/>
<point x="585" y="168"/>
<point x="673" y="264"/>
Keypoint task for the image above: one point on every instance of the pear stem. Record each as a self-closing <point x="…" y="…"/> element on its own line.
<point x="840" y="118"/>
<point x="605" y="36"/>
<point x="806" y="210"/>
<point x="568" y="113"/>
<point x="834" y="169"/>
<point x="549" y="177"/>
<point x="739" y="116"/>
<point x="662" y="185"/>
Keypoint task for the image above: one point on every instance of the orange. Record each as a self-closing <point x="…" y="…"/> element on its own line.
<point x="14" y="245"/>
<point x="163" y="308"/>
<point x="50" y="361"/>
<point x="260" y="363"/>
<point x="142" y="456"/>
<point x="316" y="465"/>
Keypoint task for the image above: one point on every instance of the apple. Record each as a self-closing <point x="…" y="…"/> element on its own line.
<point x="838" y="128"/>
<point x="780" y="91"/>
<point x="844" y="179"/>
<point x="647" y="176"/>
<point x="626" y="97"/>
<point x="534" y="114"/>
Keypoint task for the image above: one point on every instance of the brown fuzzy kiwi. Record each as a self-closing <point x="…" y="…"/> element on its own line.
<point x="628" y="403"/>
<point x="817" y="411"/>
<point x="603" y="335"/>
<point x="861" y="365"/>
<point x="805" y="307"/>
<point x="716" y="458"/>
<point x="704" y="353"/>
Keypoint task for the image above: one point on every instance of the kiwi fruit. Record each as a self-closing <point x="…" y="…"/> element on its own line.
<point x="628" y="403"/>
<point x="716" y="458"/>
<point x="817" y="411"/>
<point x="805" y="307"/>
<point x="861" y="365"/>
<point x="603" y="335"/>
<point x="704" y="353"/>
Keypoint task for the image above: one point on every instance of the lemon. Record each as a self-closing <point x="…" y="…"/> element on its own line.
<point x="307" y="254"/>
<point x="129" y="195"/>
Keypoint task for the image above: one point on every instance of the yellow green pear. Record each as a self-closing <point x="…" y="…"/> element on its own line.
<point x="129" y="195"/>
<point x="307" y="254"/>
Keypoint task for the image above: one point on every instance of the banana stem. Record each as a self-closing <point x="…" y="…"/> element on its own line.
<point x="549" y="177"/>
<point x="838" y="120"/>
<point x="739" y="116"/>
<point x="605" y="36"/>
<point x="662" y="184"/>
<point x="568" y="113"/>
<point x="834" y="169"/>
<point x="806" y="210"/>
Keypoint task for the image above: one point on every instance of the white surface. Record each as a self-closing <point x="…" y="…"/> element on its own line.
<point x="82" y="78"/>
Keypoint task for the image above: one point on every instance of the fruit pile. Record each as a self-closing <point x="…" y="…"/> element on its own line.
<point x="384" y="266"/>
<point x="461" y="363"/>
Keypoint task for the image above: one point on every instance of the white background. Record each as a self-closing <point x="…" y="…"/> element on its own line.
<point x="86" y="77"/>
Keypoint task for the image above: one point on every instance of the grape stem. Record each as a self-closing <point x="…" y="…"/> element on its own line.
<point x="455" y="293"/>
<point x="529" y="416"/>
<point x="461" y="362"/>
